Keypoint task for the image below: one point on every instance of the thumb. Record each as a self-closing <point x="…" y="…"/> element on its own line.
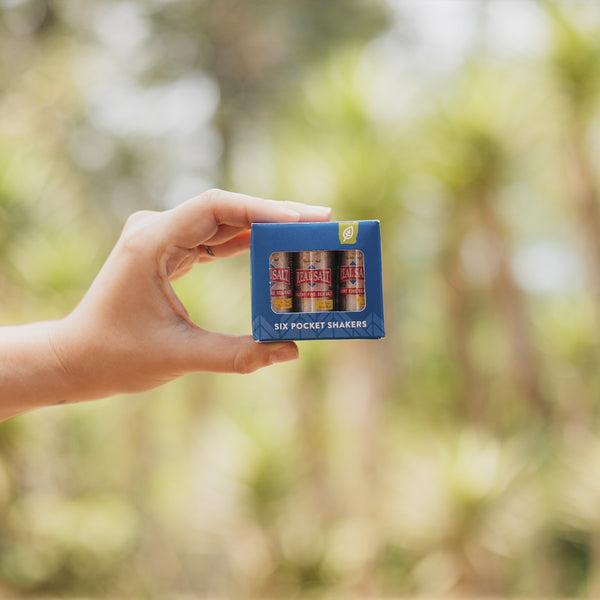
<point x="222" y="353"/>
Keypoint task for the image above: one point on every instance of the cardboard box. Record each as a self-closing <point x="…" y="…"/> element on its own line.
<point x="316" y="281"/>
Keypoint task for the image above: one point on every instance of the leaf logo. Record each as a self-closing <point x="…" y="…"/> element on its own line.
<point x="348" y="233"/>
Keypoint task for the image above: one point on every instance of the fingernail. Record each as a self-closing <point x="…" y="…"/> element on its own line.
<point x="284" y="354"/>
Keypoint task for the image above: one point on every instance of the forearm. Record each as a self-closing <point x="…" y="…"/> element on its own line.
<point x="31" y="373"/>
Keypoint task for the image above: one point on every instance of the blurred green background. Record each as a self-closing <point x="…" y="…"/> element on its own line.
<point x="459" y="456"/>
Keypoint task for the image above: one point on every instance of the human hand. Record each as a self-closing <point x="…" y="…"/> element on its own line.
<point x="131" y="333"/>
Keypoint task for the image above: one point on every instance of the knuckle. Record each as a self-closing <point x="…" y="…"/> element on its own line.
<point x="135" y="218"/>
<point x="134" y="235"/>
<point x="212" y="194"/>
<point x="212" y="197"/>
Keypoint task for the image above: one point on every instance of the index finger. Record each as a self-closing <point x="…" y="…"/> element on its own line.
<point x="198" y="219"/>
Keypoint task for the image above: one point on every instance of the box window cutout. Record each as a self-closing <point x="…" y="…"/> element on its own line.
<point x="317" y="281"/>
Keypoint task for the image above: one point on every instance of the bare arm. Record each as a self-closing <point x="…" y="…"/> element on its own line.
<point x="130" y="332"/>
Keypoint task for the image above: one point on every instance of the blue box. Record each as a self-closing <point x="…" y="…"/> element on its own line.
<point x="316" y="281"/>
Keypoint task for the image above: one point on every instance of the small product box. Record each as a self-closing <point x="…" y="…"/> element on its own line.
<point x="313" y="281"/>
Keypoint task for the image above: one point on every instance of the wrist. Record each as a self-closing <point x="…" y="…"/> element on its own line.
<point x="79" y="355"/>
<point x="31" y="372"/>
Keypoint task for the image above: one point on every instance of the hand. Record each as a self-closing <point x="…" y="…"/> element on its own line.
<point x="131" y="333"/>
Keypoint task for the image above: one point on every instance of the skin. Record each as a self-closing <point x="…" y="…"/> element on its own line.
<point x="131" y="333"/>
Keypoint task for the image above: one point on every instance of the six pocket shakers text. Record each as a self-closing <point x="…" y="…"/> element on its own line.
<point x="316" y="280"/>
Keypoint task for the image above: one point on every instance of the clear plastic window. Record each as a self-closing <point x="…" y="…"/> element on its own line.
<point x="317" y="281"/>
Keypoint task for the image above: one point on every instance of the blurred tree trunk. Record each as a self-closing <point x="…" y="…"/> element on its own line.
<point x="311" y="441"/>
<point x="509" y="303"/>
<point x="511" y="307"/>
<point x="585" y="198"/>
<point x="226" y="127"/>
<point x="470" y="396"/>
<point x="361" y="383"/>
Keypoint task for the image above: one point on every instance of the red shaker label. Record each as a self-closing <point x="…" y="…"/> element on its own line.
<point x="352" y="273"/>
<point x="280" y="275"/>
<point x="313" y="276"/>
